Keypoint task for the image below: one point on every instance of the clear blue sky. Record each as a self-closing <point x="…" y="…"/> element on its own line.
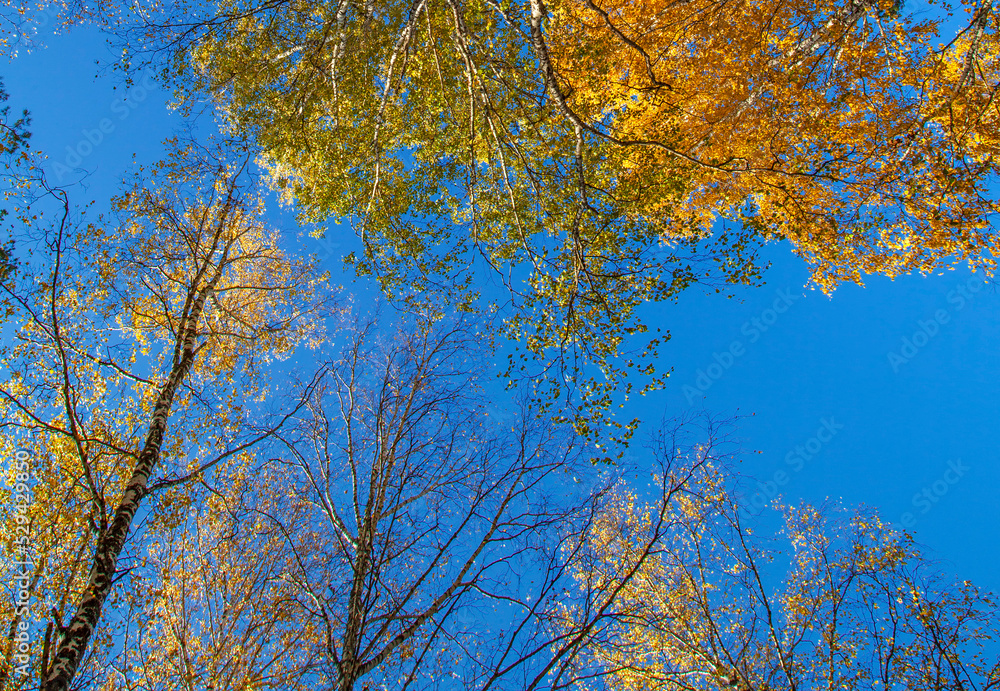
<point x="838" y="404"/>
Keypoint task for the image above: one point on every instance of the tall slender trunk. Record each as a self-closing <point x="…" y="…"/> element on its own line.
<point x="111" y="542"/>
<point x="350" y="667"/>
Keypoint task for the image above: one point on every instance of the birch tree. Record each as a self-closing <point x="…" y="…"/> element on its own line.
<point x="138" y="347"/>
<point x="835" y="599"/>
<point x="387" y="542"/>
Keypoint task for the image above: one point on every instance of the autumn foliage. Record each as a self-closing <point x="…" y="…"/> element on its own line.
<point x="200" y="523"/>
<point x="845" y="128"/>
<point x="708" y="595"/>
<point x="593" y="157"/>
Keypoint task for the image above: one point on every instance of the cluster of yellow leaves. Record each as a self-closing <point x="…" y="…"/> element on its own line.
<point x="51" y="552"/>
<point x="216" y="597"/>
<point x="252" y="307"/>
<point x="841" y="127"/>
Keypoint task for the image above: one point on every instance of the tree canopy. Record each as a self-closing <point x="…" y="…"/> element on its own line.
<point x="845" y="128"/>
<point x="837" y="600"/>
<point x="596" y="156"/>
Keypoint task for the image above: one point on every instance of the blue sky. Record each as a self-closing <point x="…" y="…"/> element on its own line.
<point x="884" y="395"/>
<point x="826" y="405"/>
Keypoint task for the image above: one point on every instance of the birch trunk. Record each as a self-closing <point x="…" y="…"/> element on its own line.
<point x="76" y="636"/>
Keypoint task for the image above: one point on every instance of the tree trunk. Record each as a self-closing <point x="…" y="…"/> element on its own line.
<point x="111" y="542"/>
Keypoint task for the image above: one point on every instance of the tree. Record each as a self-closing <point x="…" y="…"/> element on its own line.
<point x="214" y="603"/>
<point x="587" y="153"/>
<point x="392" y="529"/>
<point x="840" y="601"/>
<point x="428" y="128"/>
<point x="137" y="351"/>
